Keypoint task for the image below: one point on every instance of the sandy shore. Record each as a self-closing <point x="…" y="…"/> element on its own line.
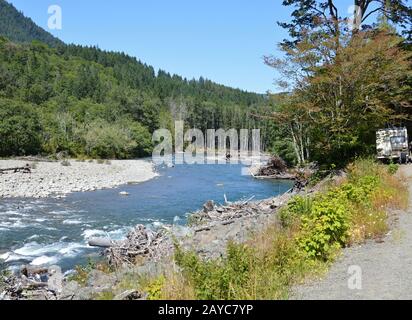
<point x="54" y="179"/>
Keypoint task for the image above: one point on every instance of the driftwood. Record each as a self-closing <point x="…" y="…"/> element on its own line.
<point x="25" y="169"/>
<point x="140" y="242"/>
<point x="30" y="283"/>
<point x="208" y="228"/>
<point x="226" y="214"/>
<point x="275" y="166"/>
<point x="101" y="242"/>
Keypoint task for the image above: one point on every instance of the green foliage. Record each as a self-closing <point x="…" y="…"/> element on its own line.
<point x="116" y="140"/>
<point x="19" y="129"/>
<point x="321" y="15"/>
<point x="81" y="275"/>
<point x="247" y="271"/>
<point x="154" y="289"/>
<point x="393" y="168"/>
<point x="313" y="229"/>
<point x="296" y="208"/>
<point x="330" y="121"/>
<point x="326" y="226"/>
<point x="216" y="279"/>
<point x="14" y="25"/>
<point x="91" y="103"/>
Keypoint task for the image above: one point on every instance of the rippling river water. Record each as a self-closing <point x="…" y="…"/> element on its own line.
<point x="55" y="231"/>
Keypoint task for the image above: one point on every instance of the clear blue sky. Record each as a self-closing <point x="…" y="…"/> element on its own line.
<point x="222" y="40"/>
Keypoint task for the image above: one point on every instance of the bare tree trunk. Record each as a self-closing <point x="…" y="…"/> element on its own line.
<point x="295" y="144"/>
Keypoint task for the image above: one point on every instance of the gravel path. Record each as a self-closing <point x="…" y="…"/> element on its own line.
<point x="386" y="268"/>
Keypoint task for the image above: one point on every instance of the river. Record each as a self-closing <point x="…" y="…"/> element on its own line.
<point x="55" y="231"/>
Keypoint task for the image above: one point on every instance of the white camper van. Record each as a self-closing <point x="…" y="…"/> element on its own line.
<point x="393" y="145"/>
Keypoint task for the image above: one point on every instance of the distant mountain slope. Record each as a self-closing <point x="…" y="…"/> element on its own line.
<point x="89" y="102"/>
<point x="18" y="28"/>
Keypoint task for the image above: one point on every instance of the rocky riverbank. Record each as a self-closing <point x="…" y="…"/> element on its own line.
<point x="146" y="252"/>
<point x="208" y="233"/>
<point x="61" y="178"/>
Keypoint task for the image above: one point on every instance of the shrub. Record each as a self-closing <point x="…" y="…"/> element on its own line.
<point x="216" y="279"/>
<point x="325" y="228"/>
<point x="154" y="289"/>
<point x="393" y="168"/>
<point x="122" y="139"/>
<point x="296" y="208"/>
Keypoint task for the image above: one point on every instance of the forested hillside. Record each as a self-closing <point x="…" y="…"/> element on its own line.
<point x="340" y="85"/>
<point x="85" y="101"/>
<point x="14" y="25"/>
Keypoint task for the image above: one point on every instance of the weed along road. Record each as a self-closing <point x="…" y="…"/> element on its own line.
<point x="376" y="270"/>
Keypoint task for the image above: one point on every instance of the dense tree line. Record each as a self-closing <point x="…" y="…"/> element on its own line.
<point x="341" y="84"/>
<point x="15" y="26"/>
<point x="85" y="101"/>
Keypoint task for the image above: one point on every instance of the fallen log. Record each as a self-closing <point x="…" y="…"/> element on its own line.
<point x="203" y="229"/>
<point x="25" y="169"/>
<point x="247" y="201"/>
<point x="101" y="242"/>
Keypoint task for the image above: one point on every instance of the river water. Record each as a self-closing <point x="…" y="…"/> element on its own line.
<point x="55" y="231"/>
